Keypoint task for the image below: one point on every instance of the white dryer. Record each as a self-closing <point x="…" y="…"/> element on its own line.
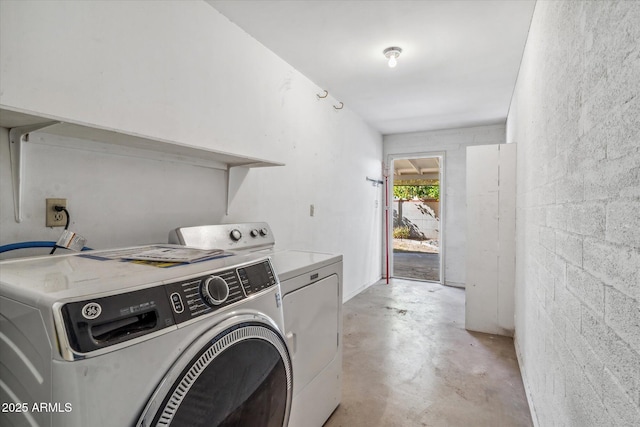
<point x="91" y="340"/>
<point x="311" y="284"/>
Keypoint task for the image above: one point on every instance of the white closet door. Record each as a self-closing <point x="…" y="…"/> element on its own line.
<point x="491" y="181"/>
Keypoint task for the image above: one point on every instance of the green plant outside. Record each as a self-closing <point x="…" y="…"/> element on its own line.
<point x="409" y="192"/>
<point x="401" y="232"/>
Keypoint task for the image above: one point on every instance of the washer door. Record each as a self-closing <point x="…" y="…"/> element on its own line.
<point x="241" y="377"/>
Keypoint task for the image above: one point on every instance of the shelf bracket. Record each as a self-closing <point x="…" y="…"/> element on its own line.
<point x="17" y="136"/>
<point x="235" y="177"/>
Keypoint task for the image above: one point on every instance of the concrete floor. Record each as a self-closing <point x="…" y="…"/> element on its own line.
<point x="408" y="361"/>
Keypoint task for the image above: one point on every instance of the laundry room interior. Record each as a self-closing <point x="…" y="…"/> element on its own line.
<point x="283" y="120"/>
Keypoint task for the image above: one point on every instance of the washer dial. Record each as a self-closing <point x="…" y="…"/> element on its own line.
<point x="215" y="290"/>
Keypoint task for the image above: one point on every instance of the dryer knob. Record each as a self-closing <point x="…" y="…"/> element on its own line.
<point x="264" y="231"/>
<point x="254" y="232"/>
<point x="215" y="290"/>
<point x="235" y="234"/>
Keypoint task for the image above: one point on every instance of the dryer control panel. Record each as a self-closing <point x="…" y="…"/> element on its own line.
<point x="94" y="324"/>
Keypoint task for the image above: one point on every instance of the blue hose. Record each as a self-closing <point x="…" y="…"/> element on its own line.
<point x="35" y="244"/>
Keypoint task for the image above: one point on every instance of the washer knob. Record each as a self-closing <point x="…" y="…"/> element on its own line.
<point x="235" y="234"/>
<point x="254" y="233"/>
<point x="215" y="290"/>
<point x="264" y="231"/>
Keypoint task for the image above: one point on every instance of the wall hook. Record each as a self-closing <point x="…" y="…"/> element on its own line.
<point x="375" y="182"/>
<point x="326" y="93"/>
<point x="340" y="107"/>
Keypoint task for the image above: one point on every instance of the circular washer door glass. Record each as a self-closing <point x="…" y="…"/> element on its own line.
<point x="242" y="378"/>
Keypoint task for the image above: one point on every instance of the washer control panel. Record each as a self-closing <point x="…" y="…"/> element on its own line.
<point x="97" y="323"/>
<point x="205" y="294"/>
<point x="93" y="324"/>
<point x="255" y="278"/>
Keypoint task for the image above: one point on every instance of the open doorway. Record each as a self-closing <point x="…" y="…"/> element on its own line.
<point x="416" y="230"/>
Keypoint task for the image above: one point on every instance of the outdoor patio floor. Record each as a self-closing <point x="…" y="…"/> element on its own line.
<point x="416" y="265"/>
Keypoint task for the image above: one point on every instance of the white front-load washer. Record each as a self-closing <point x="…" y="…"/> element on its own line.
<point x="311" y="284"/>
<point x="92" y="340"/>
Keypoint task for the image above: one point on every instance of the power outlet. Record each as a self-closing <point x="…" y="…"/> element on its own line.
<point x="55" y="218"/>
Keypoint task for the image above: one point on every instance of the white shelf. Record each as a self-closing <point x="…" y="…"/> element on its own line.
<point x="95" y="138"/>
<point x="11" y="118"/>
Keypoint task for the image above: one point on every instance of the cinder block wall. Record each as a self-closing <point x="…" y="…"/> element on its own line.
<point x="576" y="119"/>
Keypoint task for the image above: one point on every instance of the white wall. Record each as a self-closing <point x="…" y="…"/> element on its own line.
<point x="576" y="120"/>
<point x="178" y="70"/>
<point x="113" y="200"/>
<point x="453" y="143"/>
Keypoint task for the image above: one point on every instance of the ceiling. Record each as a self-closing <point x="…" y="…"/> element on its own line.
<point x="416" y="166"/>
<point x="412" y="171"/>
<point x="458" y="65"/>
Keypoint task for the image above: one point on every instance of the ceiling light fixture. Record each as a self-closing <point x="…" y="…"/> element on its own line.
<point x="392" y="54"/>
